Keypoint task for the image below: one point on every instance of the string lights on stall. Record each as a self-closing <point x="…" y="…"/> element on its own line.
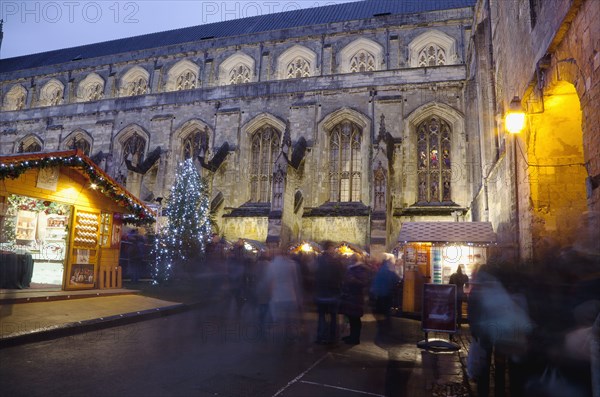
<point x="139" y="215"/>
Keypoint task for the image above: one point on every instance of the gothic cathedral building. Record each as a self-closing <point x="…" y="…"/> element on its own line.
<point x="340" y="122"/>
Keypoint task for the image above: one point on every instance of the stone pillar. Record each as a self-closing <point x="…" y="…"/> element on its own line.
<point x="328" y="61"/>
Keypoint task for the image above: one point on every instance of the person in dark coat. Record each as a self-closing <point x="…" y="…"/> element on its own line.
<point x="352" y="302"/>
<point x="459" y="279"/>
<point x="382" y="291"/>
<point x="328" y="283"/>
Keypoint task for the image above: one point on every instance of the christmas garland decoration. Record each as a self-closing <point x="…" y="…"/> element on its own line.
<point x="139" y="215"/>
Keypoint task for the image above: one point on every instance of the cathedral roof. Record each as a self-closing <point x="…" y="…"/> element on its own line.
<point x="244" y="26"/>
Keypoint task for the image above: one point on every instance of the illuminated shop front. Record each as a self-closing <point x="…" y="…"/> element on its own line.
<point x="432" y="251"/>
<point x="60" y="222"/>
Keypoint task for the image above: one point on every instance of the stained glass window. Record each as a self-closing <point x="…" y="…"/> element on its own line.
<point x="433" y="161"/>
<point x="265" y="143"/>
<point x="345" y="162"/>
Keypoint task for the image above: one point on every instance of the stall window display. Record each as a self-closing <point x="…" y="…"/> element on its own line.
<point x="40" y="229"/>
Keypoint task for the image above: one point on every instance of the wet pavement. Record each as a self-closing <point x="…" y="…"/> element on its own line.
<point x="235" y="359"/>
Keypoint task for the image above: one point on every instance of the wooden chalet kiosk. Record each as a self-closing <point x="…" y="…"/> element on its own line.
<point x="432" y="251"/>
<point x="60" y="222"/>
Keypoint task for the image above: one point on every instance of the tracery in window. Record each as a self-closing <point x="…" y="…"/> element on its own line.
<point x="186" y="81"/>
<point x="434" y="161"/>
<point x="361" y="55"/>
<point x="91" y="88"/>
<point x="194" y="144"/>
<point x="132" y="150"/>
<point x="345" y="162"/>
<point x="182" y="76"/>
<point x="15" y="98"/>
<point x="362" y="61"/>
<point x="298" y="68"/>
<point x="137" y="87"/>
<point x="135" y="82"/>
<point x="432" y="55"/>
<point x="432" y="48"/>
<point x="264" y="148"/>
<point x="240" y="74"/>
<point x="51" y="93"/>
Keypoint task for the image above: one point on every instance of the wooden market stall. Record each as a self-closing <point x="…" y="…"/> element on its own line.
<point x="66" y="213"/>
<point x="431" y="252"/>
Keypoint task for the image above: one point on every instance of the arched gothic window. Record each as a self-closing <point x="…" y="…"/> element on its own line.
<point x="344" y="162"/>
<point x="15" y="98"/>
<point x="94" y="92"/>
<point x="78" y="141"/>
<point x="194" y="144"/>
<point x="133" y="149"/>
<point x="432" y="55"/>
<point x="91" y="88"/>
<point x="137" y="87"/>
<point x="380" y="189"/>
<point x="240" y="74"/>
<point x="29" y="145"/>
<point x="51" y="93"/>
<point x="434" y="162"/>
<point x="298" y="68"/>
<point x="362" y="61"/>
<point x="265" y="144"/>
<point x="135" y="82"/>
<point x="186" y="81"/>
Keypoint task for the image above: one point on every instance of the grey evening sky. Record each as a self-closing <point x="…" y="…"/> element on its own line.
<point x="38" y="26"/>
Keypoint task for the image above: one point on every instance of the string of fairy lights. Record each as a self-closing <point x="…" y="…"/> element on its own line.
<point x="139" y="215"/>
<point x="183" y="238"/>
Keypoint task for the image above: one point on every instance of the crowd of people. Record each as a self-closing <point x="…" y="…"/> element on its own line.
<point x="279" y="286"/>
<point x="535" y="323"/>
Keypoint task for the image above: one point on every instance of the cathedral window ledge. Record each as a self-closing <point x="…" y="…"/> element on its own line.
<point x="445" y="208"/>
<point x="338" y="209"/>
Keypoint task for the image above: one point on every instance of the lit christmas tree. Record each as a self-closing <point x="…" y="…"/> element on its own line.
<point x="181" y="243"/>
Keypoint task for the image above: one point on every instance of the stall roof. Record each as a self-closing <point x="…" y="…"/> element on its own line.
<point x="12" y="166"/>
<point x="451" y="232"/>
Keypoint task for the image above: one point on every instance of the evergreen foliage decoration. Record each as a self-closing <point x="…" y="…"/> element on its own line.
<point x="111" y="189"/>
<point x="181" y="242"/>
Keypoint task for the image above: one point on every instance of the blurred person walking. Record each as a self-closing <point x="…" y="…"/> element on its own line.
<point x="500" y="327"/>
<point x="286" y="295"/>
<point x="328" y="283"/>
<point x="382" y="292"/>
<point x="263" y="291"/>
<point x="354" y="285"/>
<point x="459" y="279"/>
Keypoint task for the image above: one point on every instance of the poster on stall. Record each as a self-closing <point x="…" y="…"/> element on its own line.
<point x="48" y="178"/>
<point x="439" y="308"/>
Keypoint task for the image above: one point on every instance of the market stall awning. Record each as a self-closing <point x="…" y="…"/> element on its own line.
<point x="12" y="166"/>
<point x="447" y="232"/>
